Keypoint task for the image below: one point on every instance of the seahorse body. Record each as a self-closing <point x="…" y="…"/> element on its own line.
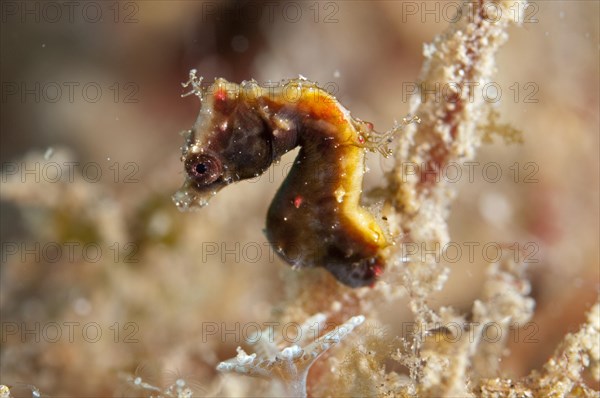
<point x="315" y="219"/>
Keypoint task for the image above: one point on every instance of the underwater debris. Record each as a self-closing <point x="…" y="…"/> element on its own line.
<point x="179" y="389"/>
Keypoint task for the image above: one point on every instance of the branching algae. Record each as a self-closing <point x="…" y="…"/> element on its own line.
<point x="289" y="366"/>
<point x="315" y="219"/>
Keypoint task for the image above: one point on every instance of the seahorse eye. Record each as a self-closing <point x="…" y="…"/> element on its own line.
<point x="203" y="169"/>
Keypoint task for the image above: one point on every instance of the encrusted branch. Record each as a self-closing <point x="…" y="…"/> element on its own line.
<point x="290" y="365"/>
<point x="461" y="61"/>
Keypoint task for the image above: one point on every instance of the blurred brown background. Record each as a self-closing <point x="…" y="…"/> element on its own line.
<point x="154" y="312"/>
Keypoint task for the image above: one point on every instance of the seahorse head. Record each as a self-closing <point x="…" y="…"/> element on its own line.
<point x="229" y="142"/>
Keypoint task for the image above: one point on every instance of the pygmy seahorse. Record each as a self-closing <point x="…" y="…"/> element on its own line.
<point x="315" y="219"/>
